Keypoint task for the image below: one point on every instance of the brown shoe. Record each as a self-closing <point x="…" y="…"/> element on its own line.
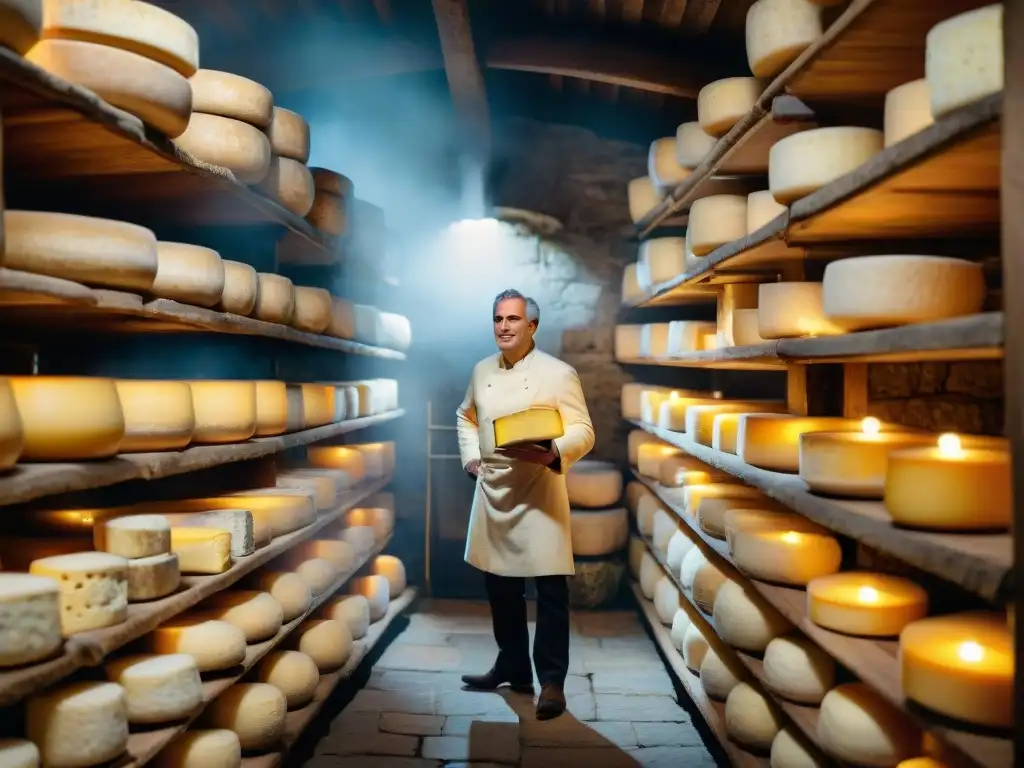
<point x="551" y="702"/>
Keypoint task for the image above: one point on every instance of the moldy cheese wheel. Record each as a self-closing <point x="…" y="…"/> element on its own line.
<point x="228" y="95"/>
<point x="289" y="135"/>
<point x="232" y="144"/>
<point x="20" y="24"/>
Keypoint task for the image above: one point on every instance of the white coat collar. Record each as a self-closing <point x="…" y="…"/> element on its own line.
<point x="522" y="365"/>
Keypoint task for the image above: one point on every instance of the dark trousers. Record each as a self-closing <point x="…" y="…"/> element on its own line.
<point x="507" y="595"/>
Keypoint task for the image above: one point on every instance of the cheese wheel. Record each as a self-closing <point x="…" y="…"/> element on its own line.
<point x="257" y="614"/>
<point x="326" y="641"/>
<point x="908" y="110"/>
<point x="78" y="725"/>
<point x="646" y="509"/>
<point x="201" y="749"/>
<point x="31" y="626"/>
<point x="214" y="645"/>
<point x="593" y="484"/>
<point x="133" y="536"/>
<point x="12" y="435"/>
<point x="150" y="578"/>
<point x="158" y="416"/>
<point x="18" y="753"/>
<point x="293" y="673"/>
<point x="884" y="291"/>
<point x="762" y="207"/>
<point x="635" y="555"/>
<point x="360" y="537"/>
<point x="797" y="669"/>
<point x="680" y="623"/>
<point x="767" y="519"/>
<point x="643" y="197"/>
<point x="778" y="31"/>
<point x="289" y="590"/>
<point x="135" y="26"/>
<point x="323" y="488"/>
<point x="693" y="561"/>
<point x="700" y="419"/>
<point x="785" y="557"/>
<point x="789" y="752"/>
<point x="328" y="213"/>
<point x="202" y="550"/>
<point x="376" y="590"/>
<point x="711" y="512"/>
<point x="718" y="677"/>
<point x="631" y="291"/>
<point x="275" y="300"/>
<point x="793" y="310"/>
<point x="661" y="259"/>
<point x="111" y="254"/>
<point x="318" y="573"/>
<point x="394" y="331"/>
<point x="154" y="93"/>
<point x="93" y="589"/>
<point x="289" y="136"/>
<point x="157" y="689"/>
<point x="271" y="408"/>
<point x="332" y="182"/>
<point x="692" y="144"/>
<point x="339" y="554"/>
<point x="379" y="519"/>
<point x="695" y="648"/>
<point x="627" y="343"/>
<point x="599" y="532"/>
<point x="289" y="182"/>
<point x="808" y="160"/>
<point x="723" y="103"/>
<point x="240" y="288"/>
<point x="232" y="96"/>
<point x="715" y="221"/>
<point x="21" y="23"/>
<point x="225" y="411"/>
<point x="254" y="711"/>
<point x="667" y="600"/>
<point x="744" y="619"/>
<point x="694" y="494"/>
<point x="664" y="526"/>
<point x="857" y="725"/>
<point x="746" y="329"/>
<point x="650" y="574"/>
<point x="679" y="547"/>
<point x="663" y="168"/>
<point x="772" y="441"/>
<point x="241" y="148"/>
<point x="245" y="534"/>
<point x="686" y="336"/>
<point x="750" y="718"/>
<point x="634" y="492"/>
<point x="680" y="471"/>
<point x="351" y="610"/>
<point x="707" y="583"/>
<point x="964" y="58"/>
<point x="654" y="340"/>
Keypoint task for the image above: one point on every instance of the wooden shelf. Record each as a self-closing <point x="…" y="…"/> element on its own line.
<point x="87" y="649"/>
<point x="32" y="481"/>
<point x="981" y="564"/>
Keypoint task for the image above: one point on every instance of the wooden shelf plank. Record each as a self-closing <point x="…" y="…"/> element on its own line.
<point x="23" y="288"/>
<point x="90" y="648"/>
<point x="32" y="481"/>
<point x="981" y="564"/>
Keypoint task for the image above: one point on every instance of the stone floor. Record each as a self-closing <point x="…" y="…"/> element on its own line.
<point x="413" y="713"/>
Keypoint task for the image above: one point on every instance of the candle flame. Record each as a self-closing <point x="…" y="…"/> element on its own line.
<point x="970" y="651"/>
<point x="949" y="445"/>
<point x="791" y="537"/>
<point x="673" y="396"/>
<point x="867" y="595"/>
<point x="871" y="426"/>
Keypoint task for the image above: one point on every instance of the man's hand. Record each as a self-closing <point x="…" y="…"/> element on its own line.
<point x="535" y="454"/>
<point x="474" y="467"/>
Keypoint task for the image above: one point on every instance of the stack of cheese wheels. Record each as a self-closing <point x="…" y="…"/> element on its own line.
<point x="643" y="196"/>
<point x="157" y="689"/>
<point x="21" y="23"/>
<point x="190" y="274"/>
<point x="229" y="116"/>
<point x="288" y="180"/>
<point x="145" y="542"/>
<point x="332" y="198"/>
<point x="600" y="530"/>
<point x="79" y="724"/>
<point x="134" y="55"/>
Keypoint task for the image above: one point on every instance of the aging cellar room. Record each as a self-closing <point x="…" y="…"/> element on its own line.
<point x="422" y="383"/>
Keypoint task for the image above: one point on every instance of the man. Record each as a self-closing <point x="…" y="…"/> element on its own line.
<point x="519" y="526"/>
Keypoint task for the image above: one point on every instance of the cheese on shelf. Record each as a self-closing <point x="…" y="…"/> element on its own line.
<point x="329" y="213"/>
<point x="21" y="23"/>
<point x="12" y="435"/>
<point x="663" y="167"/>
<point x="293" y="673"/>
<point x="317" y="405"/>
<point x="351" y="610"/>
<point x="680" y="623"/>
<point x="257" y="614"/>
<point x="627" y="342"/>
<point x="778" y="31"/>
<point x="719" y="676"/>
<point x="646" y="508"/>
<point x="711" y="511"/>
<point x="378" y="458"/>
<point x="326" y="641"/>
<point x="288" y="182"/>
<point x="225" y="411"/>
<point x="190" y="274"/>
<point x="715" y="221"/>
<point x="643" y="196"/>
<point x="772" y="441"/>
<point x="686" y="336"/>
<point x="767" y="519"/>
<point x="219" y="748"/>
<point x="750" y="718"/>
<point x="868" y="292"/>
<point x="30" y="630"/>
<point x="762" y="208"/>
<point x="789" y="752"/>
<point x="275" y="301"/>
<point x="246" y="534"/>
<point x="668" y="409"/>
<point x="679" y="547"/>
<point x="254" y="711"/>
<point x="233" y="96"/>
<point x="133" y="536"/>
<point x="661" y="259"/>
<point x="214" y="645"/>
<point x="288" y="589"/>
<point x="908" y="110"/>
<point x="694" y="494"/>
<point x="793" y="310"/>
<point x="635" y="491"/>
<point x="323" y="488"/>
<point x="241" y="148"/>
<point x="530" y="426"/>
<point x="77" y="725"/>
<point x="154" y="93"/>
<point x="318" y="573"/>
<point x="376" y="591"/>
<point x="785" y="557"/>
<point x="654" y="340"/>
<point x="361" y="538"/>
<point x="808" y="160"/>
<point x="682" y="470"/>
<point x="723" y="103"/>
<point x="18" y="753"/>
<point x="650" y="456"/>
<point x="798" y="670"/>
<point x="289" y="135"/>
<point x="745" y="328"/>
<point x="865" y="604"/>
<point x="700" y="419"/>
<point x="392" y="569"/>
<point x="395" y="331"/>
<point x="201" y="550"/>
<point x="694" y="560"/>
<point x="93" y="589"/>
<point x="726" y="426"/>
<point x="339" y="554"/>
<point x="379" y="519"/>
<point x="707" y="581"/>
<point x="635" y="440"/>
<point x="964" y="58"/>
<point x="731" y="297"/>
<point x="695" y="648"/>
<point x="271" y="408"/>
<point x="158" y="415"/>
<point x="593" y="484"/>
<point x="367" y="318"/>
<point x="631" y="291"/>
<point x="599" y="532"/>
<point x="667" y="600"/>
<point x="692" y="144"/>
<point x="240" y="288"/>
<point x="332" y="182"/>
<point x="857" y="725"/>
<point x="650" y="574"/>
<point x="664" y="526"/>
<point x="150" y="578"/>
<point x="157" y="689"/>
<point x="744" y="619"/>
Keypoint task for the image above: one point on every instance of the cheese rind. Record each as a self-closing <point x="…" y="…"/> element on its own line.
<point x="78" y="725"/>
<point x="275" y="301"/>
<point x="329" y="213"/>
<point x="798" y="670"/>
<point x="660" y="260"/>
<point x="229" y="95"/>
<point x="715" y="221"/>
<point x="288" y="182"/>
<point x="254" y="711"/>
<point x="213" y="644"/>
<point x="593" y="484"/>
<point x="157" y="689"/>
<point x="291" y="672"/>
<point x="793" y="310"/>
<point x="158" y="415"/>
<point x="271" y="408"/>
<point x="201" y="749"/>
<point x="761" y="209"/>
<point x="21" y="23"/>
<point x="667" y="600"/>
<point x="289" y="590"/>
<point x="529" y="426"/>
<point x="241" y="148"/>
<point x="712" y="511"/>
<point x="857" y="725"/>
<point x="376" y="590"/>
<point x="190" y="274"/>
<point x="964" y="58"/>
<point x="692" y="144"/>
<point x="663" y="168"/>
<point x="723" y="103"/>
<point x="351" y="610"/>
<point x="808" y="160"/>
<point x="392" y="569"/>
<point x="332" y="182"/>
<point x="225" y="411"/>
<point x="643" y="196"/>
<point x="240" y="288"/>
<point x="778" y="31"/>
<point x="326" y="641"/>
<point x="30" y="610"/>
<point x="289" y="135"/>
<point x="93" y="589"/>
<point x="201" y="550"/>
<point x="785" y="557"/>
<point x="908" y="110"/>
<point x="750" y="718"/>
<point x="599" y="532"/>
<point x="744" y="619"/>
<point x="18" y="753"/>
<point x="150" y="578"/>
<point x="237" y="522"/>
<point x="789" y="752"/>
<point x="772" y="441"/>
<point x="695" y="648"/>
<point x="719" y="676"/>
<point x="257" y="614"/>
<point x="133" y="536"/>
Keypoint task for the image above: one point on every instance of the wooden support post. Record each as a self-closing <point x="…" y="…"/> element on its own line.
<point x="855" y="390"/>
<point x="814" y="390"/>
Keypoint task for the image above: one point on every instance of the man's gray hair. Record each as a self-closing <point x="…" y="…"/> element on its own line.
<point x="532" y="308"/>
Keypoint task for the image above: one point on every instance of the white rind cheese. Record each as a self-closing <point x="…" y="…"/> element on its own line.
<point x="663" y="167"/>
<point x="908" y="109"/>
<point x="133" y="536"/>
<point x="18" y="753"/>
<point x="661" y="259"/>
<point x="808" y="160"/>
<point x="750" y="718"/>
<point x="858" y="726"/>
<point x="593" y="484"/>
<point x="254" y="711"/>
<point x="241" y="148"/>
<point x="78" y="725"/>
<point x="650" y="574"/>
<point x="692" y="144"/>
<point x="679" y="547"/>
<point x="218" y="748"/>
<point x="351" y="610"/>
<point x="643" y="196"/>
<point x="761" y="209"/>
<point x="680" y="623"/>
<point x="158" y="689"/>
<point x="719" y="676"/>
<point x="257" y="614"/>
<point x="790" y="752"/>
<point x="275" y="301"/>
<point x="289" y="590"/>
<point x="797" y="669"/>
<point x="291" y="672"/>
<point x="29" y="618"/>
<point x="793" y="310"/>
<point x="150" y="578"/>
<point x="964" y="58"/>
<point x="667" y="600"/>
<point x="723" y="103"/>
<point x="695" y="648"/>
<point x="745" y="620"/>
<point x="778" y="31"/>
<point x="233" y="96"/>
<point x="376" y="591"/>
<point x="93" y="589"/>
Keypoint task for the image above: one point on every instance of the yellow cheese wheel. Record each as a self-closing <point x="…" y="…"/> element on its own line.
<point x="217" y="748"/>
<point x="66" y="418"/>
<point x="796" y="669"/>
<point x="643" y="196"/>
<point x="233" y="96"/>
<point x="908" y="109"/>
<point x="232" y="144"/>
<point x="762" y="208"/>
<point x="751" y="718"/>
<point x="275" y="301"/>
<point x="12" y="434"/>
<point x="289" y="135"/>
<point x="744" y="619"/>
<point x="785" y="557"/>
<point x="317" y="405"/>
<point x="271" y="408"/>
<point x="102" y="252"/>
<point x="288" y="181"/>
<point x="293" y="673"/>
<point x="21" y="23"/>
<point x="337" y="457"/>
<point x="793" y="310"/>
<point x="778" y="31"/>
<point x="716" y="220"/>
<point x="719" y="676"/>
<point x="214" y="645"/>
<point x="326" y="641"/>
<point x="313" y="309"/>
<point x="158" y="415"/>
<point x="257" y="614"/>
<point x="692" y="144"/>
<point x="254" y="711"/>
<point x="723" y="103"/>
<point x="758" y="518"/>
<point x="808" y="160"/>
<point x="225" y="411"/>
<point x="240" y="288"/>
<point x="964" y="58"/>
<point x="772" y="441"/>
<point x="790" y="752"/>
<point x="189" y="273"/>
<point x="329" y="213"/>
<point x="662" y="165"/>
<point x="288" y="589"/>
<point x="154" y="93"/>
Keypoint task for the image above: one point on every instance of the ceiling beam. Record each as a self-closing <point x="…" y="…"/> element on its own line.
<point x="700" y="15"/>
<point x="462" y="68"/>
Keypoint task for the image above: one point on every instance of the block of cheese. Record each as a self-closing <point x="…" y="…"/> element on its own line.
<point x="663" y="167"/>
<point x="599" y="532"/>
<point x="808" y="160"/>
<point x="964" y="58"/>
<point x="153" y="92"/>
<point x="534" y="425"/>
<point x="908" y="110"/>
<point x="201" y="550"/>
<point x="323" y="488"/>
<point x="884" y="291"/>
<point x="329" y="213"/>
<point x="790" y="752"/>
<point x="723" y="103"/>
<point x="695" y="648"/>
<point x="759" y="518"/>
<point x="214" y="645"/>
<point x="225" y="411"/>
<point x="858" y="726"/>
<point x="785" y="557"/>
<point x="797" y="669"/>
<point x="631" y="291"/>
<point x="271" y="408"/>
<point x="93" y="589"/>
<point x="219" y="748"/>
<point x="719" y="676"/>
<point x="392" y="569"/>
<point x="81" y="724"/>
<point x="762" y="208"/>
<point x="627" y="342"/>
<point x="317" y="405"/>
<point x="289" y="135"/>
<point x="661" y="259"/>
<point x="671" y="410"/>
<point x="18" y="753"/>
<point x="158" y="415"/>
<point x="650" y="574"/>
<point x="351" y="610"/>
<point x="139" y="27"/>
<point x="241" y="148"/>
<point x="30" y="628"/>
<point x="746" y="328"/>
<point x="750" y="718"/>
<point x="593" y="484"/>
<point x="715" y="221"/>
<point x="240" y="288"/>
<point x="254" y="711"/>
<point x="157" y="689"/>
<point x="293" y="673"/>
<point x="778" y="31"/>
<point x="233" y="96"/>
<point x="133" y="536"/>
<point x="643" y="196"/>
<point x="290" y="183"/>
<point x="150" y="578"/>
<point x="21" y="23"/>
<point x="711" y="511"/>
<point x="693" y="495"/>
<point x="101" y="252"/>
<point x="275" y="301"/>
<point x="679" y="547"/>
<point x="793" y="310"/>
<point x="288" y="589"/>
<point x="744" y="619"/>
<point x="238" y="522"/>
<point x="667" y="600"/>
<point x="257" y="614"/>
<point x="686" y="336"/>
<point x="318" y="573"/>
<point x="190" y="274"/>
<point x="772" y="441"/>
<point x="654" y="340"/>
<point x="692" y="144"/>
<point x="700" y="419"/>
<point x="326" y="641"/>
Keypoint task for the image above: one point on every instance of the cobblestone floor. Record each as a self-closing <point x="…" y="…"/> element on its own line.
<point x="413" y="713"/>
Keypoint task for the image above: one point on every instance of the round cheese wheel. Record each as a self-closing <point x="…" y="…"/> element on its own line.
<point x="680" y="471"/>
<point x="150" y="578"/>
<point x="719" y="677"/>
<point x="711" y="513"/>
<point x="395" y="331"/>
<point x="228" y="95"/>
<point x="793" y="310"/>
<point x="18" y="753"/>
<point x="635" y="555"/>
<point x="225" y="411"/>
<point x="392" y="569"/>
<point x="778" y="31"/>
<point x="908" y="109"/>
<point x="56" y="426"/>
<point x="329" y="213"/>
<point x="158" y="689"/>
<point x="785" y="557"/>
<point x="692" y="144"/>
<point x="189" y="273"/>
<point x="133" y="536"/>
<point x="232" y="144"/>
<point x="885" y="291"/>
<point x="343" y="319"/>
<point x="797" y="669"/>
<point x="289" y="182"/>
<point x="257" y="614"/>
<point x="332" y="182"/>
<point x="808" y="160"/>
<point x="762" y="208"/>
<point x="646" y="508"/>
<point x="663" y="528"/>
<point x="678" y="547"/>
<point x="32" y="601"/>
<point x="715" y="221"/>
<point x="380" y="519"/>
<point x="661" y="259"/>
<point x="767" y="520"/>
<point x="598" y="532"/>
<point x="218" y="748"/>
<point x="271" y="408"/>
<point x="351" y="610"/>
<point x="790" y="752"/>
<point x="361" y="538"/>
<point x="289" y="135"/>
<point x="964" y="58"/>
<point x="692" y="562"/>
<point x="643" y="197"/>
<point x="857" y="725"/>
<point x="76" y="725"/>
<point x="293" y="673"/>
<point x="650" y="573"/>
<point x="666" y="600"/>
<point x="707" y="582"/>
<point x="158" y="416"/>
<point x="326" y="641"/>
<point x="154" y="93"/>
<point x="102" y="252"/>
<point x="275" y="300"/>
<point x="214" y="645"/>
<point x="593" y="484"/>
<point x="312" y="309"/>
<point x="289" y="590"/>
<point x="12" y="434"/>
<point x="375" y="589"/>
<point x="680" y="623"/>
<point x="662" y="166"/>
<point x="745" y="331"/>
<point x="750" y="718"/>
<point x="744" y="619"/>
<point x="254" y="711"/>
<point x="723" y="103"/>
<point x="318" y="573"/>
<point x="240" y="288"/>
<point x="21" y="23"/>
<point x="635" y="490"/>
<point x="695" y="648"/>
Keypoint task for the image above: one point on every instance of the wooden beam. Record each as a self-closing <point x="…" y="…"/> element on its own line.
<point x="465" y="79"/>
<point x="699" y="16"/>
<point x="672" y="13"/>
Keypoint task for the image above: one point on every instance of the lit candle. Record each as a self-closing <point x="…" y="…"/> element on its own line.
<point x="754" y="518"/>
<point x="785" y="557"/>
<point x="962" y="483"/>
<point x="700" y="419"/>
<point x="960" y="666"/>
<point x="865" y="604"/>
<point x="853" y="463"/>
<point x="772" y="441"/>
<point x="670" y="412"/>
